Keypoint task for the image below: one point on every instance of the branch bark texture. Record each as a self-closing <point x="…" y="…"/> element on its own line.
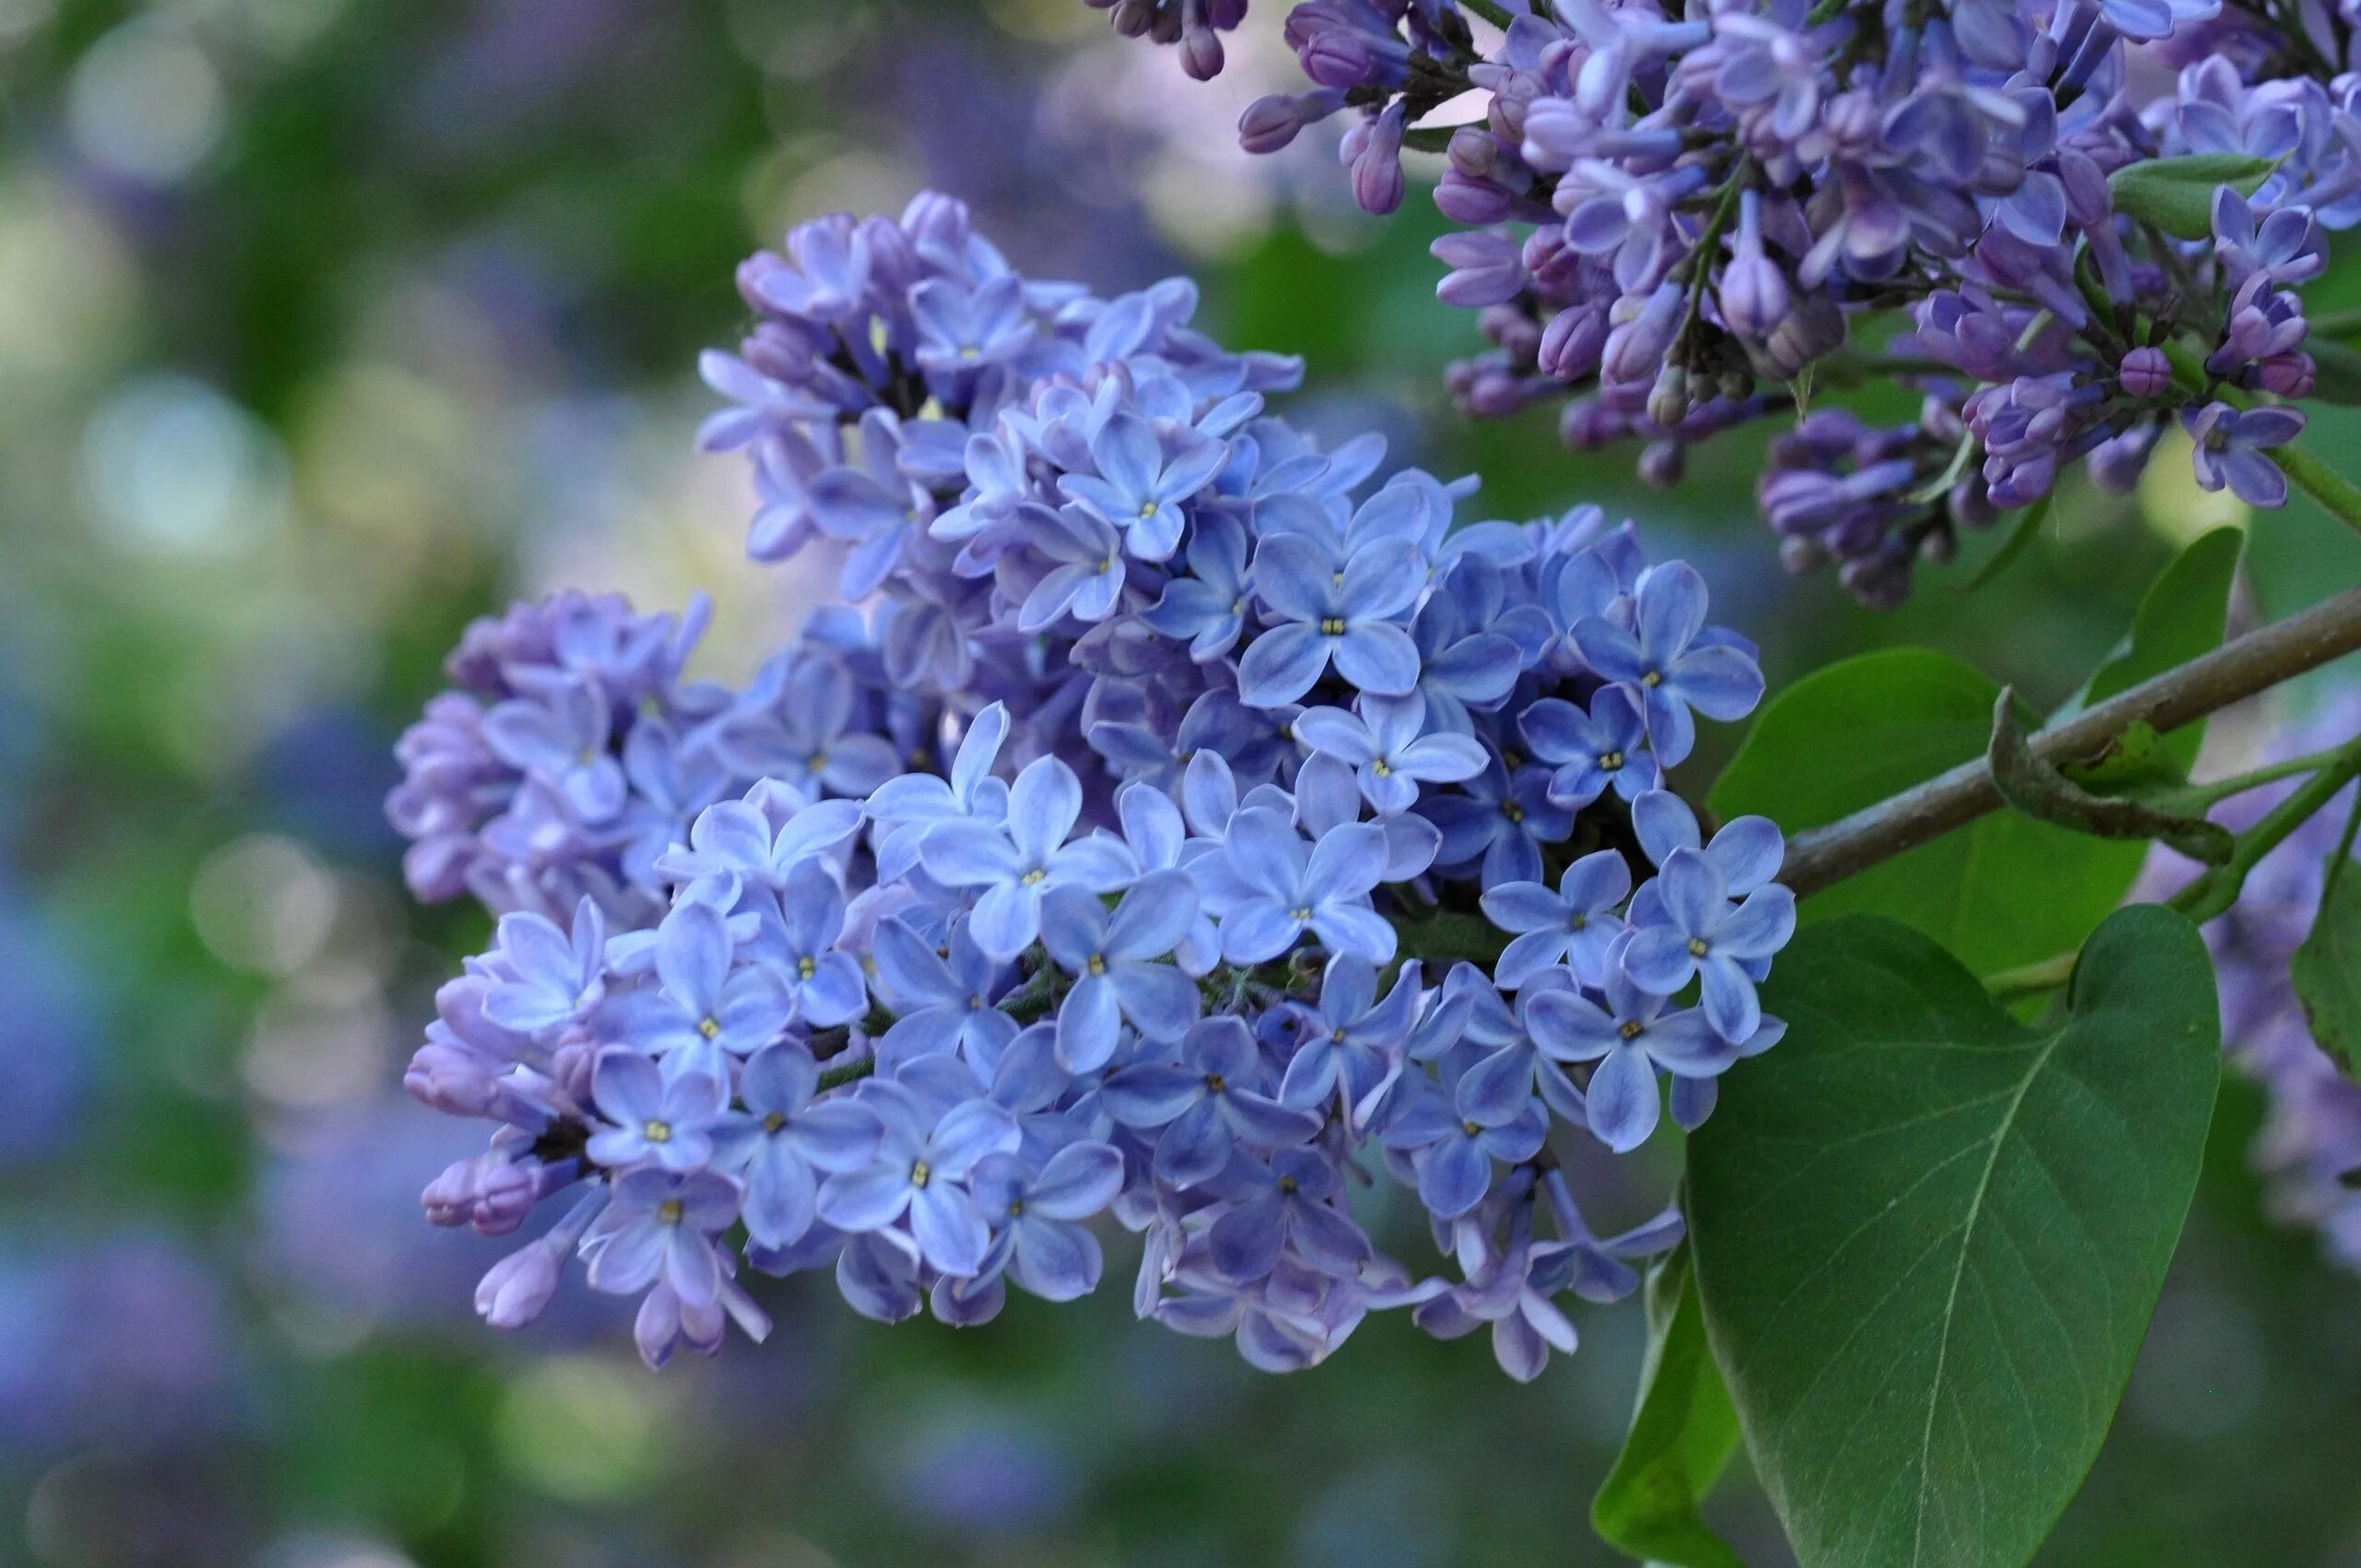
<point x="2255" y="662"/>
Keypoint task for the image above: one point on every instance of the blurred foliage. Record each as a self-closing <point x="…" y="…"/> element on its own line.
<point x="326" y="326"/>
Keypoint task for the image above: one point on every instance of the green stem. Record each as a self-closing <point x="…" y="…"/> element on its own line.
<point x="1495" y="13"/>
<point x="837" y="1078"/>
<point x="2196" y="798"/>
<point x="2336" y="495"/>
<point x="2031" y="979"/>
<point x="2212" y="894"/>
<point x="2218" y="889"/>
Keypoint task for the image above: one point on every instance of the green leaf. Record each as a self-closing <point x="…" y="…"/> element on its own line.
<point x="2177" y="193"/>
<point x="2027" y="527"/>
<point x="1683" y="1432"/>
<point x="2003" y="891"/>
<point x="2181" y="616"/>
<point x="2327" y="968"/>
<point x="1928" y="1237"/>
<point x="2134" y="761"/>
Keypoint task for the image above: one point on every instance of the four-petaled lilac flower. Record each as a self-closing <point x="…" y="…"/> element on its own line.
<point x="2230" y="446"/>
<point x="946" y="1004"/>
<point x="804" y="736"/>
<point x="659" y="1227"/>
<point x="1088" y="581"/>
<point x="1702" y="933"/>
<point x="1284" y="1203"/>
<point x="1292" y="887"/>
<point x="1206" y="1103"/>
<point x="1501" y="819"/>
<point x="1348" y="617"/>
<point x="1346" y="1042"/>
<point x="1207" y="604"/>
<point x="1607" y="747"/>
<point x="1138" y="489"/>
<point x="563" y="735"/>
<point x="1573" y="926"/>
<point x="1747" y="850"/>
<point x="918" y="1170"/>
<point x="667" y="1123"/>
<point x="704" y="1005"/>
<point x="555" y="975"/>
<point x="1115" y="960"/>
<point x="824" y="982"/>
<point x="1019" y="863"/>
<point x="1391" y="753"/>
<point x="1630" y="1038"/>
<point x="1037" y="1215"/>
<point x="907" y="802"/>
<point x="965" y="329"/>
<point x="783" y="1137"/>
<point x="1453" y="1150"/>
<point x="1671" y="669"/>
<point x="735" y="839"/>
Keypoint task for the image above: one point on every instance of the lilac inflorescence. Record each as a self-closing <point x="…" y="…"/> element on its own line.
<point x="1668" y="212"/>
<point x="1194" y="831"/>
<point x="2310" y="1149"/>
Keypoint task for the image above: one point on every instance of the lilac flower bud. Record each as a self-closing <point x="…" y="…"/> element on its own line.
<point x="1668" y="398"/>
<point x="1518" y="334"/>
<point x="2117" y="463"/>
<point x="451" y="1079"/>
<point x="1813" y="327"/>
<point x="1637" y="346"/>
<point x="515" y="1291"/>
<point x="1271" y="123"/>
<point x="1661" y="463"/>
<point x="490" y="1192"/>
<point x="1572" y="343"/>
<point x="1971" y="504"/>
<point x="1752" y="291"/>
<point x="2144" y="372"/>
<point x="1201" y="54"/>
<point x="1800" y="554"/>
<point x="1475" y="152"/>
<point x="1487" y="269"/>
<point x="2287" y="374"/>
<point x="1464" y="198"/>
<point x="1373" y="149"/>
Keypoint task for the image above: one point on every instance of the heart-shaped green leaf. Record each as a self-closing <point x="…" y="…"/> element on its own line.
<point x="1928" y="1237"/>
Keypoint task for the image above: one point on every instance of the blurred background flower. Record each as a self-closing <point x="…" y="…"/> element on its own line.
<point x="326" y="326"/>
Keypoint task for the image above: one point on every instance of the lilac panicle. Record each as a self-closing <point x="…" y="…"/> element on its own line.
<point x="1072" y="876"/>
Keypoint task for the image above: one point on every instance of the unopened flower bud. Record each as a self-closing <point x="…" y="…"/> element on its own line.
<point x="1668" y="399"/>
<point x="2144" y="372"/>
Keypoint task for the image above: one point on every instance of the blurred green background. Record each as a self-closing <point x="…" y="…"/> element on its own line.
<point x="325" y="325"/>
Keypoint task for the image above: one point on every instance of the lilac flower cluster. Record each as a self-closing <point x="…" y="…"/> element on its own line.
<point x="1193" y="833"/>
<point x="2310" y="1146"/>
<point x="1671" y="212"/>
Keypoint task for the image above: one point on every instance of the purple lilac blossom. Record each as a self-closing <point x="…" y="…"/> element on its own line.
<point x="2309" y="1148"/>
<point x="1664" y="213"/>
<point x="1069" y="877"/>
